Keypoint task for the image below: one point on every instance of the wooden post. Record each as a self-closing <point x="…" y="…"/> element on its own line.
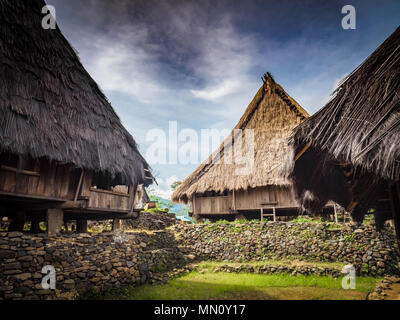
<point x="274" y="213"/>
<point x="234" y="199"/>
<point x="336" y="216"/>
<point x="194" y="204"/>
<point x="81" y="226"/>
<point x="18" y="223"/>
<point x="395" y="203"/>
<point x="132" y="195"/>
<point x="54" y="220"/>
<point x="117" y="225"/>
<point x="35" y="226"/>
<point x="262" y="215"/>
<point x="78" y="188"/>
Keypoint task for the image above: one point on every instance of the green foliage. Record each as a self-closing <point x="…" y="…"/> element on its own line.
<point x="349" y="237"/>
<point x="159" y="268"/>
<point x="306" y="219"/>
<point x="222" y="221"/>
<point x="369" y="218"/>
<point x="175" y="185"/>
<point x="366" y="268"/>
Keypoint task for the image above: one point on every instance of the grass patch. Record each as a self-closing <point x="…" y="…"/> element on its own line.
<point x="209" y="265"/>
<point x="244" y="286"/>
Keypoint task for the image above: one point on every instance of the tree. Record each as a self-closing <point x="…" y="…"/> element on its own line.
<point x="175" y="185"/>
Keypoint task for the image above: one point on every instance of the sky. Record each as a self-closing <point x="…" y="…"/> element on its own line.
<point x="200" y="63"/>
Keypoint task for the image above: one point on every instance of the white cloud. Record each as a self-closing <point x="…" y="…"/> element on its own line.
<point x="163" y="189"/>
<point x="218" y="91"/>
<point x="121" y="63"/>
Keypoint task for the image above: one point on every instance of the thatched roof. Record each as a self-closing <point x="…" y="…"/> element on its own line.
<point x="51" y="108"/>
<point x="361" y="124"/>
<point x="272" y="114"/>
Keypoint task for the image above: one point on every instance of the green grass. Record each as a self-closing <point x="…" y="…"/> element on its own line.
<point x="209" y="265"/>
<point x="243" y="286"/>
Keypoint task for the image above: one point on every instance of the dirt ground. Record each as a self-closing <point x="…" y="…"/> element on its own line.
<point x="393" y="292"/>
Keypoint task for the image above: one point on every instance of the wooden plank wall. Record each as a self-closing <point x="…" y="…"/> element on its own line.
<point x="251" y="199"/>
<point x="102" y="199"/>
<point x="266" y="197"/>
<point x="45" y="180"/>
<point x="220" y="204"/>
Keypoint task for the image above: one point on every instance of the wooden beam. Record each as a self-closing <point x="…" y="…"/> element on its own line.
<point x="109" y="192"/>
<point x="299" y="155"/>
<point x="19" y="171"/>
<point x="78" y="189"/>
<point x="29" y="197"/>
<point x="81" y="204"/>
<point x="84" y="215"/>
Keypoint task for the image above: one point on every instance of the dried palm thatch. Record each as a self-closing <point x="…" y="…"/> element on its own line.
<point x="361" y="124"/>
<point x="347" y="150"/>
<point x="271" y="116"/>
<point x="51" y="108"/>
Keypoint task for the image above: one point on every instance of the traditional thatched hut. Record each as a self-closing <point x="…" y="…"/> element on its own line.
<point x="220" y="188"/>
<point x="349" y="151"/>
<point x="62" y="146"/>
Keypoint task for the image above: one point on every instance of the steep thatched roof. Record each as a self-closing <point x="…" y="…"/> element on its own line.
<point x="272" y="114"/>
<point x="361" y="124"/>
<point x="50" y="107"/>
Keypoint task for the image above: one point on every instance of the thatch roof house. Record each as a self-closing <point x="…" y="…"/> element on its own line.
<point x="60" y="139"/>
<point x="222" y="187"/>
<point x="349" y="151"/>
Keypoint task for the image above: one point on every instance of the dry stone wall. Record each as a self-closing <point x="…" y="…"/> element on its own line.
<point x="82" y="262"/>
<point x="371" y="252"/>
<point x="86" y="261"/>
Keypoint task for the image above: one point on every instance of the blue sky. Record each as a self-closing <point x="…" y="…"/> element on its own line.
<point x="200" y="62"/>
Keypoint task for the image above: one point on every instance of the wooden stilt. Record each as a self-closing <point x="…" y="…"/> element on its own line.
<point x="18" y="223"/>
<point x="117" y="225"/>
<point x="35" y="226"/>
<point x="55" y="220"/>
<point x="336" y="215"/>
<point x="81" y="226"/>
<point x="395" y="203"/>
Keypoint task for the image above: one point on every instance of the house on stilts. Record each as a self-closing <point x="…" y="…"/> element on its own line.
<point x="349" y="151"/>
<point x="243" y="177"/>
<point x="63" y="148"/>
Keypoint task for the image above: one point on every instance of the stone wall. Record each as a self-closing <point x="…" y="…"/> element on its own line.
<point x="372" y="253"/>
<point x="157" y="220"/>
<point x="82" y="261"/>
